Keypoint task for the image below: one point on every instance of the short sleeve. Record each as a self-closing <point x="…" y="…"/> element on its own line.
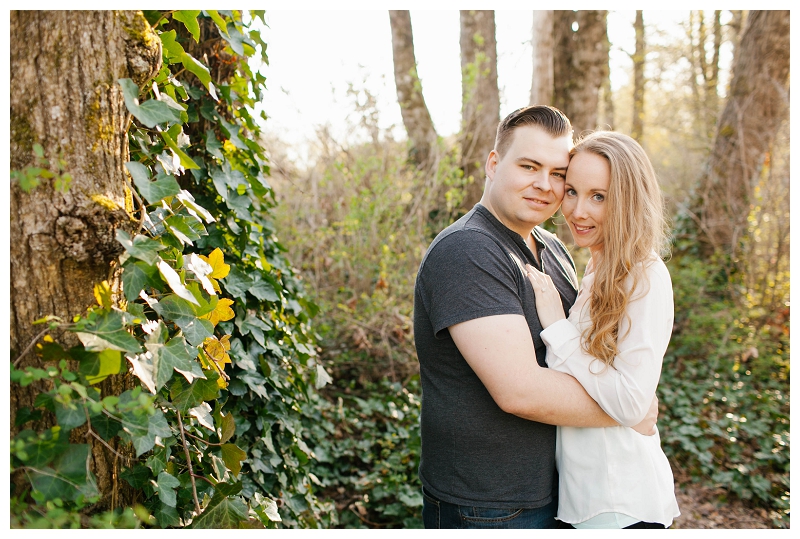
<point x="468" y="275"/>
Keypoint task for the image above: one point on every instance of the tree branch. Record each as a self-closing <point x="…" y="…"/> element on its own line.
<point x="188" y="463"/>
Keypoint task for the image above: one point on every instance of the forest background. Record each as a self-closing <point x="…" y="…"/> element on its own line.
<point x="247" y="356"/>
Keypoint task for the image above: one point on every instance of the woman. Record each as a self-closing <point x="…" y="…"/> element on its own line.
<point x="614" y="340"/>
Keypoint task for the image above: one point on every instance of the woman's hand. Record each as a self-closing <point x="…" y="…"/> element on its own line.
<point x="647" y="426"/>
<point x="548" y="300"/>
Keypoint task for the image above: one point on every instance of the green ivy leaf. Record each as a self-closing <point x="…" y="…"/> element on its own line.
<point x="107" y="332"/>
<point x="154" y="191"/>
<point x="264" y="290"/>
<point x="105" y="426"/>
<point x="152" y="112"/>
<point x="167" y="516"/>
<point x="236" y="39"/>
<point x="185" y="228"/>
<point x="201" y="71"/>
<point x="197" y="331"/>
<point x="70" y="416"/>
<point x="176" y="354"/>
<point x="41" y="449"/>
<point x="233" y="457"/>
<point x="225" y="177"/>
<point x="135" y="277"/>
<point x="140" y="247"/>
<point x="213" y="145"/>
<point x="189" y="19"/>
<point x="227" y="427"/>
<point x="172" y="49"/>
<point x="186" y="396"/>
<point x="223" y="511"/>
<point x="167" y="484"/>
<point x="25" y="414"/>
<point x="69" y="478"/>
<point x="186" y="161"/>
<point x="175" y="308"/>
<point x="237" y="282"/>
<point x="137" y="477"/>
<point x="221" y="24"/>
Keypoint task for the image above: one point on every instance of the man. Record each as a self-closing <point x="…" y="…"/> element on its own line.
<point x="489" y="404"/>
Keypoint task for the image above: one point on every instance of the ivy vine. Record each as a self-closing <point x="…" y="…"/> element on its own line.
<point x="210" y="317"/>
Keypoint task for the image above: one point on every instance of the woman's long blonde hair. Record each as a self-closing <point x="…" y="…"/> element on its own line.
<point x="633" y="228"/>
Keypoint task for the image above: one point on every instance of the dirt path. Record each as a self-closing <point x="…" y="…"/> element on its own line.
<point x="701" y="508"/>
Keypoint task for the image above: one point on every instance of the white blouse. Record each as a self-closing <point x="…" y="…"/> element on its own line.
<point x="616" y="469"/>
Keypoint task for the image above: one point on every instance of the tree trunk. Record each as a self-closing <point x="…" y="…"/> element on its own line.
<point x="416" y="118"/>
<point x="542" y="40"/>
<point x="580" y="66"/>
<point x="480" y="98"/>
<point x="637" y="128"/>
<point x="757" y="102"/>
<point x="67" y="100"/>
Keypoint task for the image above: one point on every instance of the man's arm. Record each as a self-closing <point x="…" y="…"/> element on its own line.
<point x="500" y="351"/>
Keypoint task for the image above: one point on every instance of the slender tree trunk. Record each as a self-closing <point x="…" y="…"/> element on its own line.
<point x="757" y="102"/>
<point x="480" y="108"/>
<point x="580" y="66"/>
<point x="637" y="128"/>
<point x="416" y="118"/>
<point x="606" y="114"/>
<point x="542" y="40"/>
<point x="67" y="100"/>
<point x="713" y="78"/>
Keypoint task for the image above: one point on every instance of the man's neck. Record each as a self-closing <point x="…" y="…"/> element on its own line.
<point x="531" y="243"/>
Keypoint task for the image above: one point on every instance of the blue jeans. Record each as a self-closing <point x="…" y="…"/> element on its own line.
<point x="439" y="514"/>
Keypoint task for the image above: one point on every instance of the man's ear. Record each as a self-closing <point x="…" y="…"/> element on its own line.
<point x="491" y="164"/>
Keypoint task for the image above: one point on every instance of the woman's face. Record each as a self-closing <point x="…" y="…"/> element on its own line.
<point x="584" y="206"/>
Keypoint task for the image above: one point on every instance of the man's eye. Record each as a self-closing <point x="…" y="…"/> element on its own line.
<point x="560" y="175"/>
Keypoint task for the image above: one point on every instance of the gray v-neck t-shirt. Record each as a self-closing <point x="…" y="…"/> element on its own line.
<point x="474" y="453"/>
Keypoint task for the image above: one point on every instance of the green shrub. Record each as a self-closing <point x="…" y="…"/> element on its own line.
<point x="724" y="392"/>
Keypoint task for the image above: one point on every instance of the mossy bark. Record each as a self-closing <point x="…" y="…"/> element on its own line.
<point x="64" y="96"/>
<point x="757" y="104"/>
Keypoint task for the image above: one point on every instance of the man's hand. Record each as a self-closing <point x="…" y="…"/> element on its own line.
<point x="648" y="425"/>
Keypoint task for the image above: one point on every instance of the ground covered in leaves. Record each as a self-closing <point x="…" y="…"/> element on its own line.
<point x="708" y="508"/>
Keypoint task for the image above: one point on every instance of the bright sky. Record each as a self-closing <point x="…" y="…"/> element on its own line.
<point x="313" y="56"/>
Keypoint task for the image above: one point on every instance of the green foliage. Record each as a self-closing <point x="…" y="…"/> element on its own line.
<point x="724" y="392"/>
<point x="368" y="453"/>
<point x="30" y="177"/>
<point x="223" y="351"/>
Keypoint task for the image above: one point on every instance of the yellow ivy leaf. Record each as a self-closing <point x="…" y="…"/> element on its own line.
<point x="221" y="312"/>
<point x="217" y="262"/>
<point x="215" y="350"/>
<point x="102" y="293"/>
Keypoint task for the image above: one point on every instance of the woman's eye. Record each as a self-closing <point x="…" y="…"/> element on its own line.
<point x="599" y="198"/>
<point x="571" y="192"/>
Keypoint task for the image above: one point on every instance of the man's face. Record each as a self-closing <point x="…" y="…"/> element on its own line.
<point x="526" y="184"/>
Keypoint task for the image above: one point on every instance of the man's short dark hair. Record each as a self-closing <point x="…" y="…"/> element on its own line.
<point x="550" y="119"/>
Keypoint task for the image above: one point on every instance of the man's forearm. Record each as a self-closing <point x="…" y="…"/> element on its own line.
<point x="559" y="399"/>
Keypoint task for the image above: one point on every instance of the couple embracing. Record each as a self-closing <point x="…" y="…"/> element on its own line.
<point x="538" y="399"/>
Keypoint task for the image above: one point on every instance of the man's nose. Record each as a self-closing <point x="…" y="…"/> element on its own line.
<point x="542" y="181"/>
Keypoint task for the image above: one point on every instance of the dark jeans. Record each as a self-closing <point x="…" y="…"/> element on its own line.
<point x="439" y="514"/>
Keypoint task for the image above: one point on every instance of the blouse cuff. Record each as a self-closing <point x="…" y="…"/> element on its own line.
<point x="561" y="338"/>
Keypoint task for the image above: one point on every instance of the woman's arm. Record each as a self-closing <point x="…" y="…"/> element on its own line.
<point x="624" y="391"/>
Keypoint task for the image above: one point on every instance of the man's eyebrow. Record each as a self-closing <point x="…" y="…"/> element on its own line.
<point x="537" y="163"/>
